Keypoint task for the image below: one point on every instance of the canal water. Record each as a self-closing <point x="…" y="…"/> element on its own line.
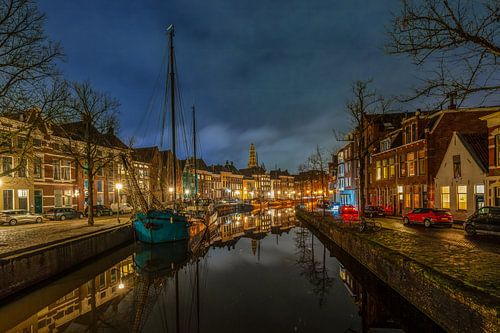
<point x="260" y="272"/>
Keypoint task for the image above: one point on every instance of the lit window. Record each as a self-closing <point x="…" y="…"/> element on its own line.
<point x="462" y="197"/>
<point x="411" y="164"/>
<point x="379" y="170"/>
<point x="385" y="169"/>
<point x="445" y="197"/>
<point x="421" y="162"/>
<point x="479" y="189"/>
<point x="392" y="168"/>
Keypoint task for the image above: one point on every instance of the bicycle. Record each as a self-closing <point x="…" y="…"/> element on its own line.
<point x="366" y="224"/>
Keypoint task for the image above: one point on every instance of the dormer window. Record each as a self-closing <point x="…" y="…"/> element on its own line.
<point x="410" y="133"/>
<point x="385" y="145"/>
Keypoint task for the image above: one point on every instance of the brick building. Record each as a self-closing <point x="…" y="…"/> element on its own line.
<point x="492" y="189"/>
<point x="404" y="165"/>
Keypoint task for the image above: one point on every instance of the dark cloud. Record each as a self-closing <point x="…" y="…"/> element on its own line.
<point x="276" y="73"/>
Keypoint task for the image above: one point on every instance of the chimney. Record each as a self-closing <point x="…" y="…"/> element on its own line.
<point x="452" y="96"/>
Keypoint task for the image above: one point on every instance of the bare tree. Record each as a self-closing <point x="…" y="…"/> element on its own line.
<point x="27" y="56"/>
<point x="364" y="109"/>
<point x="317" y="163"/>
<point x="89" y="140"/>
<point x="457" y="41"/>
<point x="31" y="93"/>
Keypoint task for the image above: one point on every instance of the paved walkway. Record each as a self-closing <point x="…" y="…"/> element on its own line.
<point x="473" y="260"/>
<point x="15" y="239"/>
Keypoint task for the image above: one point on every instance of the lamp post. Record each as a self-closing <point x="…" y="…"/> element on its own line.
<point x="118" y="186"/>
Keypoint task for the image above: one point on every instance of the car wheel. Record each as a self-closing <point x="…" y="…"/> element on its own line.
<point x="427" y="223"/>
<point x="80" y="216"/>
<point x="62" y="218"/>
<point x="98" y="214"/>
<point x="110" y="213"/>
<point x="38" y="220"/>
<point x="470" y="230"/>
<point x="406" y="221"/>
<point x="13" y="222"/>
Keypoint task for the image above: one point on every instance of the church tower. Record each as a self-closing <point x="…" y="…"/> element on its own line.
<point x="252" y="157"/>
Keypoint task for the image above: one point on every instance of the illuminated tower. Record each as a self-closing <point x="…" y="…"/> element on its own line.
<point x="252" y="157"/>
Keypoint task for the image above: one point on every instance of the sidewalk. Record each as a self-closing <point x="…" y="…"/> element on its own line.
<point x="26" y="237"/>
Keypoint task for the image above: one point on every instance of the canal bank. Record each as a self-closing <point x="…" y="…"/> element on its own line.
<point x="25" y="266"/>
<point x="456" y="287"/>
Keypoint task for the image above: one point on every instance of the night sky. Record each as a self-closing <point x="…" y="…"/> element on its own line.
<point x="276" y="73"/>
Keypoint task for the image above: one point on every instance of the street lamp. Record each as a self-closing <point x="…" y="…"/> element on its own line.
<point x="171" y="190"/>
<point x="118" y="187"/>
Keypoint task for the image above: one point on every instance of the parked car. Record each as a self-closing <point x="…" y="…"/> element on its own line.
<point x="62" y="214"/>
<point x="374" y="211"/>
<point x="484" y="220"/>
<point x="100" y="210"/>
<point x="323" y="204"/>
<point x="125" y="208"/>
<point x="348" y="209"/>
<point x="16" y="216"/>
<point x="429" y="216"/>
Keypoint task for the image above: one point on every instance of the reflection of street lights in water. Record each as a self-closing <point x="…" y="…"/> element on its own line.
<point x="118" y="186"/>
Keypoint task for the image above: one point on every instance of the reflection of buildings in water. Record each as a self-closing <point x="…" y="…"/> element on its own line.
<point x="108" y="285"/>
<point x="372" y="312"/>
<point x="255" y="226"/>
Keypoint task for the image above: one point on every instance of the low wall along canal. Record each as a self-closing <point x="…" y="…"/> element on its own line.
<point x="28" y="267"/>
<point x="454" y="304"/>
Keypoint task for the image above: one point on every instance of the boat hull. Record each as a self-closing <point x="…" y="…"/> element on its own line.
<point x="161" y="227"/>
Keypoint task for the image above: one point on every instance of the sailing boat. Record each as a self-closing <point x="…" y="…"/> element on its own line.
<point x="202" y="210"/>
<point x="164" y="225"/>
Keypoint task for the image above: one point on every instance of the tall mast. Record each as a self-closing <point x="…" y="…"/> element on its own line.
<point x="194" y="156"/>
<point x="170" y="31"/>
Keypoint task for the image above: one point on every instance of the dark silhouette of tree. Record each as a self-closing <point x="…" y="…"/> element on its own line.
<point x="457" y="41"/>
<point x="88" y="140"/>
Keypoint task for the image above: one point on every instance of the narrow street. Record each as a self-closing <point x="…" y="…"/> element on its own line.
<point x="455" y="235"/>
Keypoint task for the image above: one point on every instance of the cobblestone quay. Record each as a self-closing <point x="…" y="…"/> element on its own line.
<point x="457" y="287"/>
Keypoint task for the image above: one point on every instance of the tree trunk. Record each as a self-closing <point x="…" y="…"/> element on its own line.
<point x="90" y="203"/>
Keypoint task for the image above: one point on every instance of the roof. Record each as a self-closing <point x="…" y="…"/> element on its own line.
<point x="249" y="172"/>
<point x="76" y="131"/>
<point x="228" y="167"/>
<point x="145" y="154"/>
<point x="277" y="173"/>
<point x="477" y="146"/>
<point x="200" y="164"/>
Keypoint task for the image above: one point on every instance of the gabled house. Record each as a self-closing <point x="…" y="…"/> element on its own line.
<point x="460" y="179"/>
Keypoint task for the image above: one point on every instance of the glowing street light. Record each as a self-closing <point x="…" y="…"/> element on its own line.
<point x="118" y="187"/>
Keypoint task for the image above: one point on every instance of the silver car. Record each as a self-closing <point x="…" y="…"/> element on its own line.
<point x="15" y="216"/>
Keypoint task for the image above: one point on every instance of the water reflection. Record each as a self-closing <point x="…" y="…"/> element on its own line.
<point x="253" y="272"/>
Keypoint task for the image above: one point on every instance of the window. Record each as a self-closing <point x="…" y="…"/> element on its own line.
<point x="408" y="200"/>
<point x="100" y="194"/>
<point x="385" y="169"/>
<point x="37" y="142"/>
<point x="402" y="165"/>
<point x="99" y="186"/>
<point x="392" y="168"/>
<point x="457" y="169"/>
<point x="66" y="170"/>
<point x="462" y="197"/>
<point x="497" y="149"/>
<point x="416" y="196"/>
<point x="56" y="169"/>
<point x="445" y="197"/>
<point x="385" y="145"/>
<point x="414" y="132"/>
<point x="21" y="142"/>
<point x="407" y="134"/>
<point x="21" y="170"/>
<point x="411" y="164"/>
<point x="57" y="198"/>
<point x="421" y="162"/>
<point x="7" y="165"/>
<point x="8" y="199"/>
<point x="66" y="199"/>
<point x="37" y="167"/>
<point x="479" y="189"/>
<point x="379" y="170"/>
<point x="22" y="197"/>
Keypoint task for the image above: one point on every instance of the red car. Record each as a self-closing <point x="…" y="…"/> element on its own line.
<point x="429" y="216"/>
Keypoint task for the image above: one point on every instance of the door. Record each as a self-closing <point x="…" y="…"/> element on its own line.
<point x="38" y="201"/>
